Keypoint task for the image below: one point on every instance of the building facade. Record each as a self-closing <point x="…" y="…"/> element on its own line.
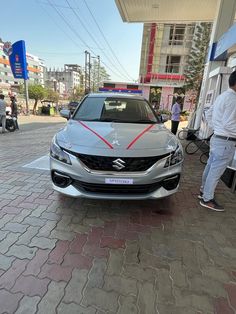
<point x="164" y="56"/>
<point x="71" y="77"/>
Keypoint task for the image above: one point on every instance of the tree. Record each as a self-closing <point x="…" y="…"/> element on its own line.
<point x="195" y="66"/>
<point x="36" y="92"/>
<point x="52" y="95"/>
<point x="77" y="93"/>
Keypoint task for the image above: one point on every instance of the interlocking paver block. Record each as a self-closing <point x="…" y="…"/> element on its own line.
<point x="10" y="239"/>
<point x="6" y="261"/>
<point x="34" y="266"/>
<point x="73" y="308"/>
<point x="78" y="261"/>
<point x="57" y="254"/>
<point x="21" y="251"/>
<point x="77" y="244"/>
<point x="31" y="286"/>
<point x="52" y="298"/>
<point x="28" y="305"/>
<point x="56" y="272"/>
<point x="9" y="301"/>
<point x="97" y="272"/>
<point x="62" y="235"/>
<point x="26" y="237"/>
<point x="43" y="243"/>
<point x="34" y="221"/>
<point x="222" y="306"/>
<point x="107" y="301"/>
<point x="121" y="285"/>
<point x="73" y="291"/>
<point x="127" y="305"/>
<point x="115" y="262"/>
<point x="7" y="280"/>
<point x="231" y="290"/>
<point x="46" y="230"/>
<point x="147" y="298"/>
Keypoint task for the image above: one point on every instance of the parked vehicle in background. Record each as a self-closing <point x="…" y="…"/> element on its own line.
<point x="115" y="147"/>
<point x="72" y="106"/>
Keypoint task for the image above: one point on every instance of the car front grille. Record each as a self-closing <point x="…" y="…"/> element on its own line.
<point x="116" y="188"/>
<point x="130" y="164"/>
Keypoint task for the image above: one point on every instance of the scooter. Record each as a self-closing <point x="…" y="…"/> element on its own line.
<point x="10" y="124"/>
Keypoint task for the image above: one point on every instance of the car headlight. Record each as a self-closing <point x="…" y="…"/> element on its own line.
<point x="59" y="154"/>
<point x="175" y="157"/>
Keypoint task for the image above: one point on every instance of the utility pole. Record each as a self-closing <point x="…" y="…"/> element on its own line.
<point x="98" y="73"/>
<point x="87" y="77"/>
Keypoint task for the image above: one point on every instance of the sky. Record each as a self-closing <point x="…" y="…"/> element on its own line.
<point x="55" y="31"/>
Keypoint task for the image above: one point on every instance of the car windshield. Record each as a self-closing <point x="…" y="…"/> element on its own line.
<point x="111" y="109"/>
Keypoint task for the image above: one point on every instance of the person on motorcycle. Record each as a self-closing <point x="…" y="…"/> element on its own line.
<point x="3" y="105"/>
<point x="14" y="111"/>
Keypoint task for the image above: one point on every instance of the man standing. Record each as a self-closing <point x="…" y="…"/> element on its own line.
<point x="3" y="112"/>
<point x="222" y="118"/>
<point x="14" y="111"/>
<point x="175" y="117"/>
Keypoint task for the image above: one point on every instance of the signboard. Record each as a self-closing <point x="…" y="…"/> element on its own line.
<point x="226" y="41"/>
<point x="18" y="61"/>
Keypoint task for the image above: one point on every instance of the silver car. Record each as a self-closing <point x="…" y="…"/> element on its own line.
<point x="115" y="147"/>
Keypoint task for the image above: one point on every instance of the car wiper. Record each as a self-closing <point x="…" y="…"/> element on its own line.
<point x="144" y="121"/>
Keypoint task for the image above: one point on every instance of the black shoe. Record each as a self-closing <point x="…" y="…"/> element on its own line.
<point x="200" y="195"/>
<point x="212" y="204"/>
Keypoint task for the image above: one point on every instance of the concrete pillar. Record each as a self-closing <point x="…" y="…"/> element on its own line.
<point x="224" y="19"/>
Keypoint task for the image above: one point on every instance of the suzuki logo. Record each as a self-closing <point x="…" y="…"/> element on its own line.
<point x="118" y="164"/>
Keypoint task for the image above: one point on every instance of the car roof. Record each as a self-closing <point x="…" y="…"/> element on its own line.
<point x="115" y="95"/>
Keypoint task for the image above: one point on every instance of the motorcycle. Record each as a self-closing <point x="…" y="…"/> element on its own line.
<point x="10" y="123"/>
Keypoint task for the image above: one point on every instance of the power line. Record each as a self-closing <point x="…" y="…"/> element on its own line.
<point x="77" y="35"/>
<point x="105" y="39"/>
<point x="85" y="27"/>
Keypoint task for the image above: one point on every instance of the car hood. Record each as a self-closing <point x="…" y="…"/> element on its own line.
<point x="112" y="138"/>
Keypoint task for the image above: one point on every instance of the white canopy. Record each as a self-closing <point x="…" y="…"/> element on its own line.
<point x="167" y="11"/>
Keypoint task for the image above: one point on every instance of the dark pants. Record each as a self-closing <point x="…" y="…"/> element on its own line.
<point x="174" y="126"/>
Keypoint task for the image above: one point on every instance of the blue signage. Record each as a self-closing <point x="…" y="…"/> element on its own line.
<point x="18" y="61"/>
<point x="226" y="41"/>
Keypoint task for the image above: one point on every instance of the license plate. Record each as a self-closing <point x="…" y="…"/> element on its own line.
<point x="118" y="181"/>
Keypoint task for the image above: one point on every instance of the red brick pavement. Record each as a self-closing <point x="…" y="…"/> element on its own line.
<point x="165" y="256"/>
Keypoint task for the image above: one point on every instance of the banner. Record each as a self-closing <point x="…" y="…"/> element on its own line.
<point x="18" y="61"/>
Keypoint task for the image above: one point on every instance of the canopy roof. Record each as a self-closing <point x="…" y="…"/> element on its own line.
<point x="167" y="11"/>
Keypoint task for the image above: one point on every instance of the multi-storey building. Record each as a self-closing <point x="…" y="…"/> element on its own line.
<point x="71" y="76"/>
<point x="35" y="71"/>
<point x="164" y="55"/>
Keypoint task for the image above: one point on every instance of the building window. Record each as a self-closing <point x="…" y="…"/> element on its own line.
<point x="6" y="73"/>
<point x="173" y="64"/>
<point x="5" y="66"/>
<point x="132" y="86"/>
<point x="110" y="85"/>
<point x="177" y="33"/>
<point x="6" y="81"/>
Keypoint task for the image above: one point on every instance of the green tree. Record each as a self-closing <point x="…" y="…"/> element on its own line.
<point x="52" y="95"/>
<point x="195" y="66"/>
<point x="36" y="92"/>
<point x="77" y="93"/>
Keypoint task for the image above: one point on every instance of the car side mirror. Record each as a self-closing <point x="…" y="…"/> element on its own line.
<point x="65" y="113"/>
<point x="164" y="118"/>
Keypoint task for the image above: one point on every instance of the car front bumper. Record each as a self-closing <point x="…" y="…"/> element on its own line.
<point x="77" y="181"/>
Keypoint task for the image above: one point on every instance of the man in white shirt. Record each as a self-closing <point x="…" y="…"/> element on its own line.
<point x="2" y="113"/>
<point x="222" y="118"/>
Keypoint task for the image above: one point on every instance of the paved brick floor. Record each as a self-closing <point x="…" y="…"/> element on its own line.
<point x="60" y="255"/>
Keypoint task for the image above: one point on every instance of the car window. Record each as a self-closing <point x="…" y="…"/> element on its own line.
<point x="115" y="109"/>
